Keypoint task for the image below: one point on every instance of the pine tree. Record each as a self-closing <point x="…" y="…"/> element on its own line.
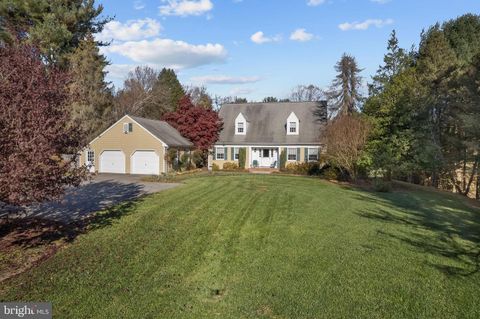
<point x="344" y="94"/>
<point x="394" y="61"/>
<point x="91" y="99"/>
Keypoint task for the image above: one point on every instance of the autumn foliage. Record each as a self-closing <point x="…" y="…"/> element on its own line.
<point x="33" y="129"/>
<point x="200" y="125"/>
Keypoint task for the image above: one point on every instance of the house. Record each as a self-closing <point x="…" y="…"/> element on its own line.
<point x="265" y="130"/>
<point x="133" y="145"/>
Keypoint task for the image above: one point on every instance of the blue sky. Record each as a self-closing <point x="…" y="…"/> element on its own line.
<point x="258" y="48"/>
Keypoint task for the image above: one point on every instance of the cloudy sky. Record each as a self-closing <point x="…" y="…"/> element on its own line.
<point x="258" y="48"/>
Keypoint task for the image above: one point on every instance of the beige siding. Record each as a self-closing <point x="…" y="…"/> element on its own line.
<point x="229" y="158"/>
<point x="115" y="139"/>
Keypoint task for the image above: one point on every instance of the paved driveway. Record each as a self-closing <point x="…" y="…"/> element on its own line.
<point x="101" y="192"/>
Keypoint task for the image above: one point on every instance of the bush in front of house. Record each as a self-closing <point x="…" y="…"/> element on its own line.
<point x="283" y="160"/>
<point x="230" y="166"/>
<point x="242" y="157"/>
<point x="198" y="158"/>
<point x="215" y="167"/>
<point x="309" y="168"/>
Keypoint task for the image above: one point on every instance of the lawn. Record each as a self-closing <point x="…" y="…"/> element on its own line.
<point x="254" y="246"/>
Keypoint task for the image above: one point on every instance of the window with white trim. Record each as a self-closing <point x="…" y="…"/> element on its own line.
<point x="313" y="154"/>
<point x="236" y="152"/>
<point x="90" y="157"/>
<point x="292" y="154"/>
<point x="219" y="153"/>
<point x="293" y="127"/>
<point x="240" y="127"/>
<point x="127" y="128"/>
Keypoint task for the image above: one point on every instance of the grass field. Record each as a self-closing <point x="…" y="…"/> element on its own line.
<point x="251" y="246"/>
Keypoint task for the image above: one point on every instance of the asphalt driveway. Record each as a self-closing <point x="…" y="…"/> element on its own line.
<point x="103" y="191"/>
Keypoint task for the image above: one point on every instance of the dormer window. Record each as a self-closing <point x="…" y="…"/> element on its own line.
<point x="241" y="125"/>
<point x="293" y="127"/>
<point x="293" y="124"/>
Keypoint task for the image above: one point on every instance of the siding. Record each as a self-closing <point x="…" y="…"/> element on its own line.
<point x="137" y="140"/>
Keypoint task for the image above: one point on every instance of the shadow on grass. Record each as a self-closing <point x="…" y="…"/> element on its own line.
<point x="433" y="223"/>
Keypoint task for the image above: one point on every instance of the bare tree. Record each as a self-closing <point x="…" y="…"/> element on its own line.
<point x="307" y="93"/>
<point x="137" y="89"/>
<point x="345" y="139"/>
<point x="199" y="96"/>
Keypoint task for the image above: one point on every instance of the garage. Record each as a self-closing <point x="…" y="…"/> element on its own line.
<point x="145" y="163"/>
<point x="112" y="162"/>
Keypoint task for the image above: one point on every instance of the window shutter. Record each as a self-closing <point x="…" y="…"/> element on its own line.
<point x="225" y="154"/>
<point x="232" y="152"/>
<point x="306" y="154"/>
<point x="214" y="153"/>
<point x="130" y="127"/>
<point x="298" y="154"/>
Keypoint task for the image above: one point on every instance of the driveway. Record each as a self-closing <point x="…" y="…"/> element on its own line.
<point x="103" y="191"/>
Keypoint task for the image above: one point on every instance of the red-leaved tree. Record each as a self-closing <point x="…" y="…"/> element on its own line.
<point x="200" y="125"/>
<point x="34" y="129"/>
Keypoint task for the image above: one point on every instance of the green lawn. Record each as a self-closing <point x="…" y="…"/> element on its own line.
<point x="252" y="246"/>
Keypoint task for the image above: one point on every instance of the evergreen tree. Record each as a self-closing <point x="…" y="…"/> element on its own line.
<point x="166" y="95"/>
<point x="394" y="61"/>
<point x="344" y="94"/>
<point x="91" y="99"/>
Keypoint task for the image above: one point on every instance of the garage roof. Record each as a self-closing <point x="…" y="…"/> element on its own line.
<point x="163" y="131"/>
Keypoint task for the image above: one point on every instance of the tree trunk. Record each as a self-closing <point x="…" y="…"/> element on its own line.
<point x="477" y="193"/>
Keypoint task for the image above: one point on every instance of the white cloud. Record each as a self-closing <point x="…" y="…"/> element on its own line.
<point x="185" y="7"/>
<point x="259" y="38"/>
<point x="169" y="53"/>
<point x="241" y="91"/>
<point x="224" y="79"/>
<point x="379" y="23"/>
<point x="314" y="3"/>
<point x="301" y="35"/>
<point x="138" y="5"/>
<point x="131" y="30"/>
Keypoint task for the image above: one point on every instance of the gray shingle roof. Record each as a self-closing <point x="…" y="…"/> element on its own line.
<point x="164" y="131"/>
<point x="266" y="123"/>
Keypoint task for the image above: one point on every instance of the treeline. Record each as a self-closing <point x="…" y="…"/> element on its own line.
<point x="424" y="109"/>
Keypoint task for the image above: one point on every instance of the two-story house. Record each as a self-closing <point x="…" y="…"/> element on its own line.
<point x="264" y="130"/>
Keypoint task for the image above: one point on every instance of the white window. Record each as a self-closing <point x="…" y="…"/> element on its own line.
<point x="313" y="154"/>
<point x="236" y="151"/>
<point x="292" y="154"/>
<point x="90" y="157"/>
<point x="220" y="153"/>
<point x="127" y="128"/>
<point x="293" y="124"/>
<point x="293" y="127"/>
<point x="240" y="127"/>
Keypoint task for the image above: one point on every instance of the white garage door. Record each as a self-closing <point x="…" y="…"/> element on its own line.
<point x="145" y="163"/>
<point x="112" y="162"/>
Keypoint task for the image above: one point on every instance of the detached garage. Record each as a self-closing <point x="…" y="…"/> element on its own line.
<point x="134" y="145"/>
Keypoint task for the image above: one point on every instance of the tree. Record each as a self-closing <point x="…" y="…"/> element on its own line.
<point x="57" y="27"/>
<point x="270" y="99"/>
<point x="242" y="157"/>
<point x="307" y="93"/>
<point x="395" y="61"/>
<point x="345" y="139"/>
<point x="35" y="130"/>
<point x="200" y="125"/>
<point x="90" y="98"/>
<point x="200" y="96"/>
<point x="345" y="90"/>
<point x="166" y="95"/>
<point x="136" y="91"/>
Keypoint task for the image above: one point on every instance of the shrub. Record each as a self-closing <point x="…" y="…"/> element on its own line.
<point x="382" y="186"/>
<point x="230" y="166"/>
<point x="283" y="159"/>
<point x="215" y="167"/>
<point x="185" y="161"/>
<point x="331" y="173"/>
<point x="198" y="158"/>
<point x="310" y="168"/>
<point x="242" y="157"/>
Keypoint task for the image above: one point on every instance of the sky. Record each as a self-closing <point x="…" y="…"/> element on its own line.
<point x="259" y="48"/>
